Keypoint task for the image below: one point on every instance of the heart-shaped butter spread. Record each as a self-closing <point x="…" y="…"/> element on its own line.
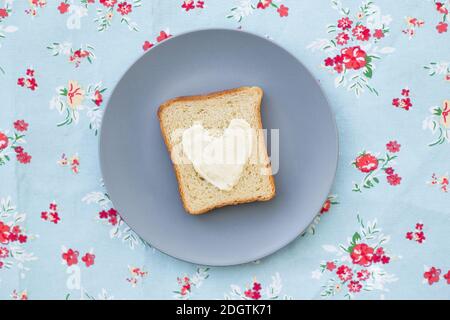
<point x="219" y="160"/>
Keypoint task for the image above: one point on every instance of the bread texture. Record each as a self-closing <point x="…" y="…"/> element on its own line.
<point x="215" y="111"/>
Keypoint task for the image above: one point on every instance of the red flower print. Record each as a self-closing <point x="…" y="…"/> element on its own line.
<point x="331" y="266"/>
<point x="4" y="141"/>
<point x="163" y="36"/>
<point x="20" y="125"/>
<point x="345" y="23"/>
<point x="63" y="7"/>
<point x="441" y="8"/>
<point x="98" y="98"/>
<point x="254" y="293"/>
<point x="389" y="171"/>
<point x="12" y="237"/>
<point x="394" y="179"/>
<point x="4" y="233"/>
<point x="200" y="4"/>
<point x="379" y="251"/>
<point x="447" y="277"/>
<point x="363" y="274"/>
<point x="418" y="235"/>
<point x="283" y="11"/>
<point x="23" y="157"/>
<point x="344" y="273"/>
<point x="354" y="57"/>
<point x="29" y="81"/>
<point x="339" y="68"/>
<point x="185" y="284"/>
<point x="361" y="32"/>
<point x="339" y="59"/>
<point x="22" y="238"/>
<point x="88" y="259"/>
<point x="432" y="275"/>
<point x="354" y="286"/>
<point x="393" y="146"/>
<point x="31" y="84"/>
<point x="54" y="217"/>
<point x="385" y="259"/>
<point x="188" y="5"/>
<point x="147" y="45"/>
<point x="442" y="27"/>
<point x="326" y="206"/>
<point x="329" y="62"/>
<point x="404" y="103"/>
<point x="378" y="33"/>
<point x="108" y="3"/>
<point x="71" y="257"/>
<point x="1" y="264"/>
<point x="362" y="254"/>
<point x="263" y="4"/>
<point x="3" y="13"/>
<point x="366" y="163"/>
<point x="342" y="38"/>
<point x="44" y="215"/>
<point x="124" y="8"/>
<point x="111" y="215"/>
<point x="103" y="214"/>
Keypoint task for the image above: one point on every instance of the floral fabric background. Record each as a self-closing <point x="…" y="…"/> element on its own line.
<point x="382" y="234"/>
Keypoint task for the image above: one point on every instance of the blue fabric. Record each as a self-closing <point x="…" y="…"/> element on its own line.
<point x="367" y="245"/>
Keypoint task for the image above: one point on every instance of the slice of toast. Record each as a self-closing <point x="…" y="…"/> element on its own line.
<point x="215" y="112"/>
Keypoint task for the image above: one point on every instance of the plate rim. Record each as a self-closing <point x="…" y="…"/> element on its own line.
<point x="288" y="240"/>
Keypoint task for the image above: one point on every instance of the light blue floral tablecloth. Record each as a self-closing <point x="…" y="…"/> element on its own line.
<point x="383" y="233"/>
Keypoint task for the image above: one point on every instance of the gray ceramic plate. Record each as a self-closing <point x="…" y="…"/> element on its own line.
<point x="138" y="173"/>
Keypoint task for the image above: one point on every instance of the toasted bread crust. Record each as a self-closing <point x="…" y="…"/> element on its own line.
<point x="165" y="135"/>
